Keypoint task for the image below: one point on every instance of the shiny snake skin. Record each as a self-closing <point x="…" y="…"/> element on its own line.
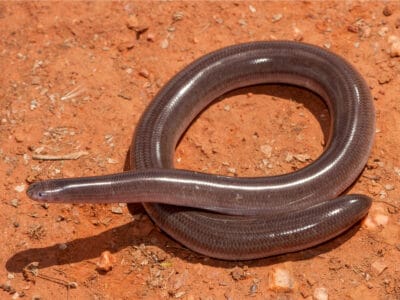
<point x="242" y="218"/>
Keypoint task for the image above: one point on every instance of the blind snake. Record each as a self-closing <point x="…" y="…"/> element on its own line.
<point x="242" y="218"/>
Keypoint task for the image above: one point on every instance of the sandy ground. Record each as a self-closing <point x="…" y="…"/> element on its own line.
<point x="75" y="78"/>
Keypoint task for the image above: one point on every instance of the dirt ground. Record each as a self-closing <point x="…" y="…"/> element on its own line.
<point x="75" y="78"/>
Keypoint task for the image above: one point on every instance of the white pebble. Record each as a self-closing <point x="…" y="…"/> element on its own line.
<point x="375" y="220"/>
<point x="178" y="16"/>
<point x="15" y="202"/>
<point x="276" y="17"/>
<point x="383" y="31"/>
<point x="20" y="188"/>
<point x="378" y="266"/>
<point x="73" y="285"/>
<point x="289" y="157"/>
<point x="164" y="44"/>
<point x="112" y="160"/>
<point x="302" y="157"/>
<point x="16" y="295"/>
<point x="252" y="9"/>
<point x="327" y="45"/>
<point x="242" y="22"/>
<point x="34" y="104"/>
<point x="394" y="42"/>
<point x="297" y="34"/>
<point x="267" y="150"/>
<point x="320" y="294"/>
<point x="231" y="170"/>
<point x="116" y="210"/>
<point x="281" y="280"/>
<point x="389" y="187"/>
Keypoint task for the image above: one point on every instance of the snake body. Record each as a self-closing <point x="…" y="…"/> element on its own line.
<point x="242" y="218"/>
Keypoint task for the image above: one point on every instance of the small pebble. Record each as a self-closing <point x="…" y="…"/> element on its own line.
<point x="267" y="150"/>
<point x="280" y="280"/>
<point x="397" y="23"/>
<point x="133" y="24"/>
<point x="360" y="27"/>
<point x="297" y="34"/>
<point x="106" y="262"/>
<point x="242" y="22"/>
<point x="73" y="285"/>
<point x="218" y="20"/>
<point x="35" y="80"/>
<point x="378" y="266"/>
<point x="320" y="294"/>
<point x="375" y="220"/>
<point x="239" y="273"/>
<point x="15" y="202"/>
<point x="62" y="246"/>
<point x="180" y="280"/>
<point x="276" y="17"/>
<point x="353" y="28"/>
<point x="252" y="9"/>
<point x="164" y="44"/>
<point x="367" y="276"/>
<point x="389" y="187"/>
<point x="34" y="104"/>
<point x="116" y="210"/>
<point x="387" y="11"/>
<point x="302" y="157"/>
<point x="179" y="294"/>
<point x="20" y="188"/>
<point x="178" y="16"/>
<point x="253" y="288"/>
<point x="144" y="73"/>
<point x="21" y="56"/>
<point x="231" y="170"/>
<point x="227" y="107"/>
<point x="150" y="37"/>
<point x="383" y="31"/>
<point x="385" y="77"/>
<point x="394" y="42"/>
<point x="289" y="157"/>
<point x="125" y="46"/>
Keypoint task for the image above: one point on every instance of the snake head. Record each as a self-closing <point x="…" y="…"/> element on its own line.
<point x="37" y="191"/>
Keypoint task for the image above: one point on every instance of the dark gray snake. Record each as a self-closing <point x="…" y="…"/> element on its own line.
<point x="242" y="218"/>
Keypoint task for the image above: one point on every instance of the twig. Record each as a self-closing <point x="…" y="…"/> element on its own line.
<point x="69" y="156"/>
<point x="67" y="284"/>
<point x="387" y="203"/>
<point x="73" y="93"/>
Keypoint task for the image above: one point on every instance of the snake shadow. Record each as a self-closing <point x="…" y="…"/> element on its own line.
<point x="131" y="234"/>
<point x="122" y="237"/>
